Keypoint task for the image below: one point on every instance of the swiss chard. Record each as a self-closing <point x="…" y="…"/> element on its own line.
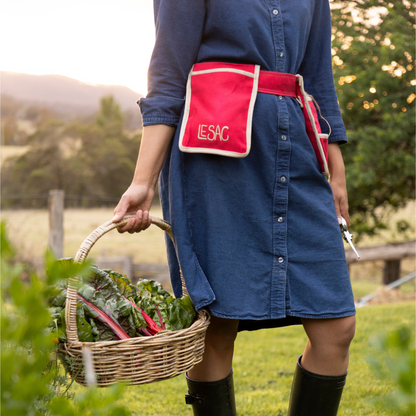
<point x="181" y="313"/>
<point x="110" y="307"/>
<point x="57" y="299"/>
<point x="123" y="284"/>
<point x="102" y="292"/>
<point x="105" y="319"/>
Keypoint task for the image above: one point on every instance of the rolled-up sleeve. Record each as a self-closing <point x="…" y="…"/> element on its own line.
<point x="316" y="69"/>
<point x="179" y="28"/>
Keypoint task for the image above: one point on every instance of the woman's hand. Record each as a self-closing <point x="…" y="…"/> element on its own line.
<point x="338" y="182"/>
<point x="135" y="201"/>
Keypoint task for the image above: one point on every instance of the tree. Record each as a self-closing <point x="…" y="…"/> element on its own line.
<point x="93" y="161"/>
<point x="373" y="60"/>
<point x="38" y="170"/>
<point x="107" y="151"/>
<point x="10" y="133"/>
<point x="109" y="115"/>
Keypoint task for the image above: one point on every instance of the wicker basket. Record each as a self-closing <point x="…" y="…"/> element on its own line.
<point x="138" y="360"/>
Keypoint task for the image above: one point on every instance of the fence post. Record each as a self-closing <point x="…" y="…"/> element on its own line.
<point x="128" y="267"/>
<point x="56" y="221"/>
<point x="391" y="271"/>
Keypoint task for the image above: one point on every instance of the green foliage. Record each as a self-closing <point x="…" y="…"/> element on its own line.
<point x="108" y="301"/>
<point x="32" y="382"/>
<point x="92" y="160"/>
<point x="373" y="57"/>
<point x="396" y="362"/>
<point x="109" y="116"/>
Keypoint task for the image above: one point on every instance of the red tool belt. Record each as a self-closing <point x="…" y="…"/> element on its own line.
<point x="219" y="106"/>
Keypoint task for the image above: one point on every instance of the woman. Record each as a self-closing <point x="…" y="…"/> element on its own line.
<point x="258" y="237"/>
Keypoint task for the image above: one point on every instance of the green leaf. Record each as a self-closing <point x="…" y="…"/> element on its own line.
<point x="101" y="291"/>
<point x="123" y="284"/>
<point x="181" y="313"/>
<point x="83" y="327"/>
<point x="154" y="288"/>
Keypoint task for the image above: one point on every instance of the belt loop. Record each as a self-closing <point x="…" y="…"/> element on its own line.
<point x="299" y="85"/>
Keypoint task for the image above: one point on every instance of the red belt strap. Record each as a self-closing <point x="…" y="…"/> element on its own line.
<point x="278" y="83"/>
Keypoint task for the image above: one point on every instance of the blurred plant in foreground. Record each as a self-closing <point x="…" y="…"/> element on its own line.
<point x="396" y="362"/>
<point x="32" y="381"/>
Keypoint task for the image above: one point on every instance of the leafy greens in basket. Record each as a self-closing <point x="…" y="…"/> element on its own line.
<point x="111" y="308"/>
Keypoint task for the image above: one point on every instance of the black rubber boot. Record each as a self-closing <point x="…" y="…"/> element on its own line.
<point x="212" y="398"/>
<point x="314" y="394"/>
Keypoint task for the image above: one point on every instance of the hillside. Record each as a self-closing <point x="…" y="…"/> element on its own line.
<point x="64" y="94"/>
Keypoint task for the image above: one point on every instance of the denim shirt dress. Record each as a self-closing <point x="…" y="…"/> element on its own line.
<point x="257" y="238"/>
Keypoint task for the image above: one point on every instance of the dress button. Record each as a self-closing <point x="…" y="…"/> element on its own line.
<point x="280" y="97"/>
<point x="275" y="12"/>
<point x="281" y="54"/>
<point x="280" y="219"/>
<point x="284" y="137"/>
<point x="281" y="259"/>
<point x="283" y="179"/>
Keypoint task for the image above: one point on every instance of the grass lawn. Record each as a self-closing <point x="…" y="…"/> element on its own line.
<point x="264" y="364"/>
<point x="28" y="231"/>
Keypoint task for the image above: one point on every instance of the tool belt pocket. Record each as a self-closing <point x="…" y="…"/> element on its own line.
<point x="219" y="106"/>
<point x="318" y="139"/>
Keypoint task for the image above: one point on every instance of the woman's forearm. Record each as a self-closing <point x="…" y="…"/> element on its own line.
<point x="154" y="146"/>
<point x="138" y="198"/>
<point x="338" y="182"/>
<point x="335" y="162"/>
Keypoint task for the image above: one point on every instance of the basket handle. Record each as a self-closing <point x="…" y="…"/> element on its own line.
<point x="82" y="253"/>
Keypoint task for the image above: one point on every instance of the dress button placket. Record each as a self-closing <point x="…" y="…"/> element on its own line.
<point x="280" y="200"/>
<point x="278" y="33"/>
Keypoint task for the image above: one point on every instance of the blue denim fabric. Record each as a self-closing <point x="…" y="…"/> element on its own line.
<point x="241" y="31"/>
<point x="257" y="238"/>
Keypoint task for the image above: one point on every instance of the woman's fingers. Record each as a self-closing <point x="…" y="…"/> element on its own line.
<point x="341" y="209"/>
<point x="140" y="222"/>
<point x="136" y="201"/>
<point x="343" y="206"/>
<point x="337" y="210"/>
<point x="339" y="192"/>
<point x="121" y="209"/>
<point x="126" y="227"/>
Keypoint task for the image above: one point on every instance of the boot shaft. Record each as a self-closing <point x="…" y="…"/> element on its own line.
<point x="214" y="398"/>
<point x="314" y="394"/>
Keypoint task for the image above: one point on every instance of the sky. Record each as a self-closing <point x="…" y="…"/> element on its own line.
<point x="94" y="41"/>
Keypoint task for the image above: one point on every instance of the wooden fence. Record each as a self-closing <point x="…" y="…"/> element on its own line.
<point x="125" y="265"/>
<point x="391" y="254"/>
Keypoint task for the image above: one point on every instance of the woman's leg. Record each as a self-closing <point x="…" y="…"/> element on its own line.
<point x="321" y="372"/>
<point x="327" y="350"/>
<point x="210" y="383"/>
<point x="219" y="348"/>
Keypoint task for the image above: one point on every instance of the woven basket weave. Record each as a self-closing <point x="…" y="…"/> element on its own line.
<point x="138" y="360"/>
